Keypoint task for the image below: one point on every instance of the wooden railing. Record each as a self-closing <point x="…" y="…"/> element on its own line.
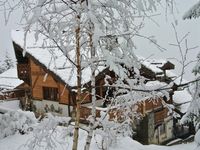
<point x="12" y="94"/>
<point x="23" y="72"/>
<point x="160" y="116"/>
<point x="112" y="113"/>
<point x="86" y="112"/>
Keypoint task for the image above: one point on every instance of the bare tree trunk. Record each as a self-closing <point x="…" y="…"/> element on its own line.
<point x="93" y="91"/>
<point x="78" y="98"/>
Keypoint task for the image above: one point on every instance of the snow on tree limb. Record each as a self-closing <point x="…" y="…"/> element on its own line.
<point x="193" y="12"/>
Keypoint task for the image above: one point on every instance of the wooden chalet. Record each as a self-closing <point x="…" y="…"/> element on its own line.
<point x="51" y="82"/>
<point x="50" y="79"/>
<point x="155" y="69"/>
<point x="47" y="90"/>
<point x="156" y="126"/>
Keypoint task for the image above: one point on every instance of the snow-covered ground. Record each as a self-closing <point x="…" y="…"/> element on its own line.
<point x="63" y="141"/>
<point x="18" y="142"/>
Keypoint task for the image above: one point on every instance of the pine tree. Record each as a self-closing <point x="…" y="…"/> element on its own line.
<point x="6" y="64"/>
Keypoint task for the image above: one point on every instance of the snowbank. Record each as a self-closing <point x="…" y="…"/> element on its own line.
<point x="123" y="143"/>
<point x="9" y="105"/>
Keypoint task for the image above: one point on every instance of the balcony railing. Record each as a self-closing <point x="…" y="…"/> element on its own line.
<point x="160" y="116"/>
<point x="24" y="72"/>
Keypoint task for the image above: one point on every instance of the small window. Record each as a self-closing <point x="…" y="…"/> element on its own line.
<point x="50" y="93"/>
<point x="162" y="129"/>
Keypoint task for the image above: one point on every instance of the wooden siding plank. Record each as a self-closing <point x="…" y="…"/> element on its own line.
<point x="37" y="76"/>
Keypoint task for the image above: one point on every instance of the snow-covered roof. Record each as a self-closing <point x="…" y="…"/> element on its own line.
<point x="175" y="78"/>
<point x="52" y="58"/>
<point x="182" y="97"/>
<point x="152" y="67"/>
<point x="9" y="105"/>
<point x="193" y="12"/>
<point x="156" y="84"/>
<point x="155" y="65"/>
<point x="9" y="79"/>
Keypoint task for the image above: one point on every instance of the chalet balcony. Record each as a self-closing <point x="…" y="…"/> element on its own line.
<point x="24" y="72"/>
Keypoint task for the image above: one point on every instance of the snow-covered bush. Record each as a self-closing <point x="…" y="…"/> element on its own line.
<point x="16" y="122"/>
<point x="109" y="131"/>
<point x="6" y="64"/>
<point x="47" y="134"/>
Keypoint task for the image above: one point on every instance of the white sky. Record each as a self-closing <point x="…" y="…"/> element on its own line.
<point x="163" y="33"/>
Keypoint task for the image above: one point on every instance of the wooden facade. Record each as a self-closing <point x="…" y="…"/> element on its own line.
<point x="24" y="72"/>
<point x="156" y="125"/>
<point x="37" y="77"/>
<point x="155" y="106"/>
<point x="41" y="78"/>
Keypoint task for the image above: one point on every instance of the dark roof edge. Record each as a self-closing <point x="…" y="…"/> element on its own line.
<point x="42" y="65"/>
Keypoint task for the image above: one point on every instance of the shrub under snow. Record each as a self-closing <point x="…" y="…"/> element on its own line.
<point x="47" y="134"/>
<point x="16" y="121"/>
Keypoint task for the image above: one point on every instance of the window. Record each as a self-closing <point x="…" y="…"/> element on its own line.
<point x="50" y="93"/>
<point x="162" y="128"/>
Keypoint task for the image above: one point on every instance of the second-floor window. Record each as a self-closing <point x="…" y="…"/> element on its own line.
<point x="50" y="93"/>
